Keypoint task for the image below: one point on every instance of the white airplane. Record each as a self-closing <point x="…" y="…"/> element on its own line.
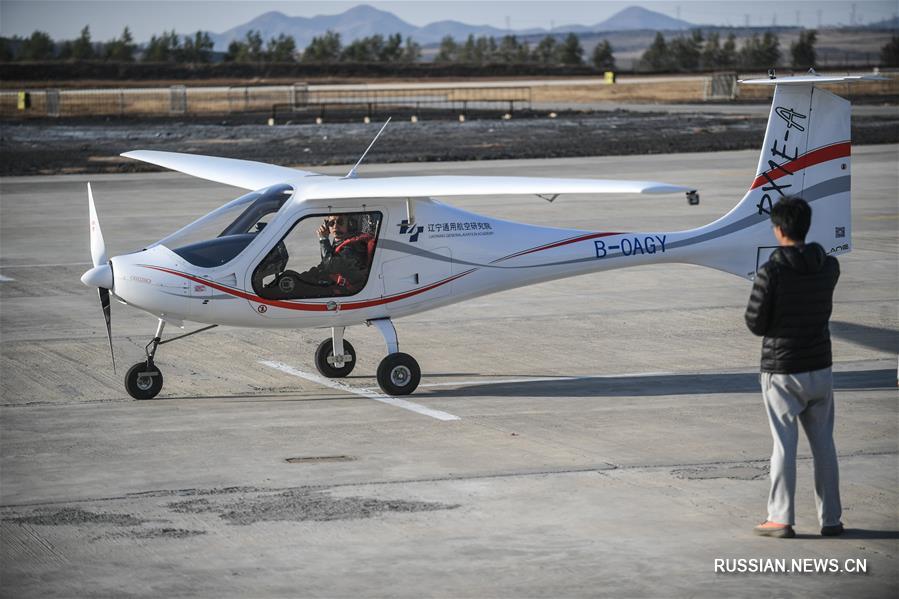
<point x="304" y="250"/>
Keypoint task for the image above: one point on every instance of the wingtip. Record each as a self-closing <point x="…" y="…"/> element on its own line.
<point x="660" y="188"/>
<point x="142" y="154"/>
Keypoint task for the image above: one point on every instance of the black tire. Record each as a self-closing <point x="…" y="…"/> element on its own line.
<point x="325" y="350"/>
<point x="398" y="374"/>
<point x="143" y="382"/>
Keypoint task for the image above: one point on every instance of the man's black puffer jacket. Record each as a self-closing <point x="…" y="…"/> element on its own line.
<point x="790" y="305"/>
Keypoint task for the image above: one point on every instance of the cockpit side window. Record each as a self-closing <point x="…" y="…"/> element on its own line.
<point x="324" y="255"/>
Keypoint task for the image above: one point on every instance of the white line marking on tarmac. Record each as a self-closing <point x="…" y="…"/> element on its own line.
<point x="367" y="393"/>
<point x="5" y="279"/>
<point x="45" y="265"/>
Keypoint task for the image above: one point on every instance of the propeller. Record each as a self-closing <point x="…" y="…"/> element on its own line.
<point x="104" y="304"/>
<point x="100" y="276"/>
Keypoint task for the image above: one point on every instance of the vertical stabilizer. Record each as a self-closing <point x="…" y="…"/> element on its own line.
<point x="806" y="153"/>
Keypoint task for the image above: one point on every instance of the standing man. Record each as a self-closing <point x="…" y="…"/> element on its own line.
<point x="790" y="306"/>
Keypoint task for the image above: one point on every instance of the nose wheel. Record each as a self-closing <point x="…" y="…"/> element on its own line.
<point x="143" y="381"/>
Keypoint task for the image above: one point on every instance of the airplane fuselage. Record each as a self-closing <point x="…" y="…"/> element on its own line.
<point x="445" y="256"/>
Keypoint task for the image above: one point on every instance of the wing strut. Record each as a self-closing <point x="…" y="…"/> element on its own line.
<point x="410" y="212"/>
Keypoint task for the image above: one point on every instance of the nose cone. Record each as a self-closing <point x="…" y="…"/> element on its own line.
<point x="98" y="276"/>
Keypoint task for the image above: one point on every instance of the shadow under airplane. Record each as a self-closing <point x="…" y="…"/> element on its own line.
<point x="877" y="338"/>
<point x="654" y="385"/>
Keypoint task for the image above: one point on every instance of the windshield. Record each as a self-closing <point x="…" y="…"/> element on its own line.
<point x="217" y="237"/>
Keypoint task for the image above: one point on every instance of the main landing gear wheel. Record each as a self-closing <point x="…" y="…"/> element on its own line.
<point x="332" y="369"/>
<point x="398" y="374"/>
<point x="143" y="381"/>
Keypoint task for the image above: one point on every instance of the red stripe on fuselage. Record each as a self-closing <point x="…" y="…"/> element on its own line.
<point x="556" y="244"/>
<point x="307" y="307"/>
<point x="831" y="152"/>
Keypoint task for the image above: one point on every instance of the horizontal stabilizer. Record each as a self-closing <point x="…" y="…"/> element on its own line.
<point x="445" y="186"/>
<point x="813" y="79"/>
<point x="245" y="174"/>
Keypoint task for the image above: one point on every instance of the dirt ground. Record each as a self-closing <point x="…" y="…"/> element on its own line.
<point x="93" y="146"/>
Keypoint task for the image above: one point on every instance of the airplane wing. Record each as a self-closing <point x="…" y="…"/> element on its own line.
<point x="257" y="175"/>
<point x="438" y="186"/>
<point x="239" y="173"/>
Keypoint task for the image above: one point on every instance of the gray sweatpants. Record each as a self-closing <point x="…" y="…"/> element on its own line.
<point x="808" y="398"/>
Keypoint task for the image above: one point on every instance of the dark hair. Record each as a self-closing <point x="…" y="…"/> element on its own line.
<point x="794" y="217"/>
<point x="352" y="223"/>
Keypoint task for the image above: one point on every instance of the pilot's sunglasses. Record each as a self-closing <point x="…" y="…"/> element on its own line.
<point x="333" y="222"/>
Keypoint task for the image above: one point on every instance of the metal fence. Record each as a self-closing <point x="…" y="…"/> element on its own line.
<point x="720" y="86"/>
<point x="316" y="100"/>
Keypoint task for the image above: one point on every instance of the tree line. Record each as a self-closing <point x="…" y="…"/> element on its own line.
<point x="690" y="52"/>
<point x="696" y="52"/>
<point x="40" y="46"/>
<point x="167" y="47"/>
<point x="327" y="48"/>
<point x="509" y="50"/>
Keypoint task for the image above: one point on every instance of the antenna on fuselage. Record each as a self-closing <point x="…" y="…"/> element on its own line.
<point x="352" y="173"/>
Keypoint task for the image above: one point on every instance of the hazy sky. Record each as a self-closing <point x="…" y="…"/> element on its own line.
<point x="63" y="19"/>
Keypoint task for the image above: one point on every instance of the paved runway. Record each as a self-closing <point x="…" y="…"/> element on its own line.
<point x="608" y="436"/>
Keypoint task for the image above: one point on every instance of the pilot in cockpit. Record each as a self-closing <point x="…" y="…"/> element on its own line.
<point x="346" y="254"/>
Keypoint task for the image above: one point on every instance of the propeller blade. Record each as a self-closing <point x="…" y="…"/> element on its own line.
<point x="107" y="315"/>
<point x="101" y="273"/>
<point x="98" y="247"/>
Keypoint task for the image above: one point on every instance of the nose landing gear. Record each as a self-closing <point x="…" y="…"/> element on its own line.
<point x="144" y="379"/>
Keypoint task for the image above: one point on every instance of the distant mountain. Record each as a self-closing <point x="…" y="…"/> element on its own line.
<point x="635" y="17"/>
<point x="434" y="32"/>
<point x="363" y="20"/>
<point x="892" y="23"/>
<point x="359" y="21"/>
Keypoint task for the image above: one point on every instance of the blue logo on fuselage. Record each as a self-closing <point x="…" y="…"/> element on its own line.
<point x="412" y="231"/>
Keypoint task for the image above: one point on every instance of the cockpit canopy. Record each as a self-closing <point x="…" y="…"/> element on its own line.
<point x="219" y="236"/>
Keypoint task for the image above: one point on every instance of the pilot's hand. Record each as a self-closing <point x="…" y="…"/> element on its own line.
<point x="323" y="231"/>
